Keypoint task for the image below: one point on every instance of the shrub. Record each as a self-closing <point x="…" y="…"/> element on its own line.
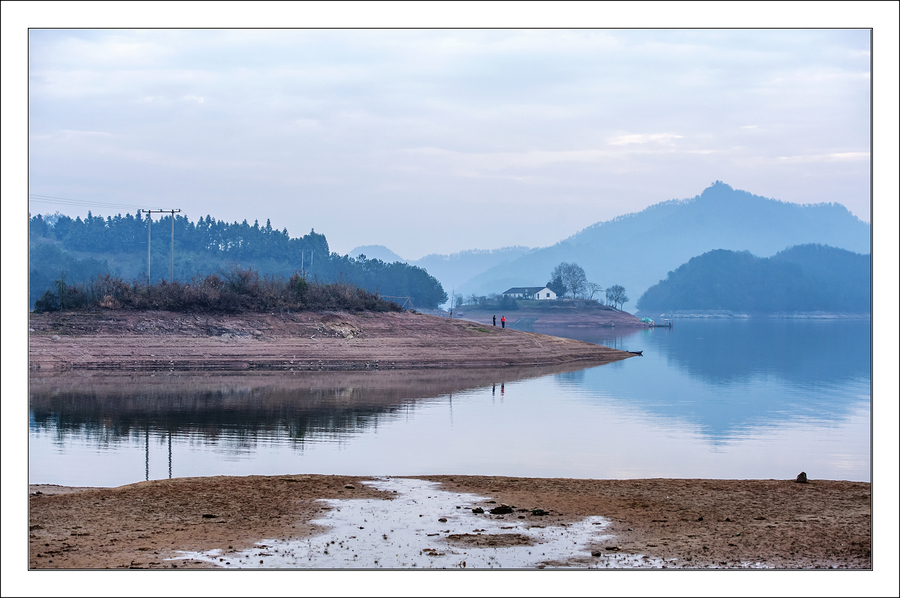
<point x="237" y="291"/>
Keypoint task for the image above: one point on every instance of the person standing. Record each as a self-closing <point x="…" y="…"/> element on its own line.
<point x="503" y="321"/>
<point x="495" y="320"/>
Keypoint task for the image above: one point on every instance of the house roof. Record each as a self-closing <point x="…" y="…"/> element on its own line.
<point x="524" y="290"/>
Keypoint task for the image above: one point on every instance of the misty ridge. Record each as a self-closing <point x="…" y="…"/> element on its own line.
<point x="453" y="270"/>
<point x="636" y="251"/>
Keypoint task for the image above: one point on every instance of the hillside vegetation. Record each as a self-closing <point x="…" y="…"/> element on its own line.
<point x="805" y="278"/>
<point x="70" y="252"/>
<point x="237" y="292"/>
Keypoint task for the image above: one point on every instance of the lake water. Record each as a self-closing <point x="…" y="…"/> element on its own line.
<point x="709" y="399"/>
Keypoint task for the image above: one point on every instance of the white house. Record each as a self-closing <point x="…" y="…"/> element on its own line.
<point x="540" y="293"/>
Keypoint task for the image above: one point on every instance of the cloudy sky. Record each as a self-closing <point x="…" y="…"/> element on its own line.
<point x="435" y="141"/>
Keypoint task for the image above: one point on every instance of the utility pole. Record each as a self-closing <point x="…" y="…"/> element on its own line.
<point x="172" y="255"/>
<point x="172" y="251"/>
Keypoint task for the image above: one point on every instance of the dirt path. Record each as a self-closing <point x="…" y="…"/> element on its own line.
<point x="689" y="523"/>
<point x="166" y="341"/>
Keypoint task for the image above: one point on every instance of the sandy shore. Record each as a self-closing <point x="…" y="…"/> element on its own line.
<point x="691" y="524"/>
<point x="123" y="340"/>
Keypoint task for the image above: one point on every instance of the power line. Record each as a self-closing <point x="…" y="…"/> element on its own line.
<point x="90" y="203"/>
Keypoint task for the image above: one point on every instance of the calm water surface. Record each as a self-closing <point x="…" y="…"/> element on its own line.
<point x="709" y="399"/>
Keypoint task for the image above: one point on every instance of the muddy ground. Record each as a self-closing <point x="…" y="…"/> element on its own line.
<point x="693" y="524"/>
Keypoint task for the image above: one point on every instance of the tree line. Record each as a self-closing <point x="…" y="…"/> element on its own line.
<point x="570" y="278"/>
<point x="79" y="250"/>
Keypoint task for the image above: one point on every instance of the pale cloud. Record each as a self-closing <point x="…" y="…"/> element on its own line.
<point x="475" y="164"/>
<point x="68" y="133"/>
<point x="644" y="138"/>
<point x="833" y="157"/>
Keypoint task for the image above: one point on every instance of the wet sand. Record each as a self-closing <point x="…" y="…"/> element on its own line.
<point x="686" y="524"/>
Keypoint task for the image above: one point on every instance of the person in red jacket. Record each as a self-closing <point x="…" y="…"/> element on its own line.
<point x="503" y="321"/>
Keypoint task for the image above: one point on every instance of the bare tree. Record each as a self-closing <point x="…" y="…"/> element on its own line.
<point x="615" y="295"/>
<point x="572" y="276"/>
<point x="593" y="288"/>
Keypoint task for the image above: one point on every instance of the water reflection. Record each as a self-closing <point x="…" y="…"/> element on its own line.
<point x="707" y="399"/>
<point x="732" y="351"/>
<point x="726" y="376"/>
<point x="238" y="409"/>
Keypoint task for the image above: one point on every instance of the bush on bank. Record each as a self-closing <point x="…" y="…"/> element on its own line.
<point x="238" y="290"/>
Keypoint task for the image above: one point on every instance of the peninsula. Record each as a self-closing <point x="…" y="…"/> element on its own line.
<point x="149" y="340"/>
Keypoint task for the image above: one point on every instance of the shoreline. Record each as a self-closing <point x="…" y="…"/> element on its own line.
<point x="727" y="314"/>
<point x="136" y="341"/>
<point x="686" y="524"/>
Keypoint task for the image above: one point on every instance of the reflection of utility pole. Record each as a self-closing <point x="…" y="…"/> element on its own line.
<point x="172" y="255"/>
<point x="147" y="453"/>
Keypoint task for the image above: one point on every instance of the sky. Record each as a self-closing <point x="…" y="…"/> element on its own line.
<point x="442" y="140"/>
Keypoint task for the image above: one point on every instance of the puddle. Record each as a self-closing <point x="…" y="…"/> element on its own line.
<point x="408" y="532"/>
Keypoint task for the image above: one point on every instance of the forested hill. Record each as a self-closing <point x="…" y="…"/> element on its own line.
<point x="801" y="279"/>
<point x="81" y="249"/>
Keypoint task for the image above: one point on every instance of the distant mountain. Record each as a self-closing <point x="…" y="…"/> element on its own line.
<point x="451" y="270"/>
<point x="637" y="250"/>
<point x="805" y="278"/>
<point x="455" y="269"/>
<point x="376" y="252"/>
